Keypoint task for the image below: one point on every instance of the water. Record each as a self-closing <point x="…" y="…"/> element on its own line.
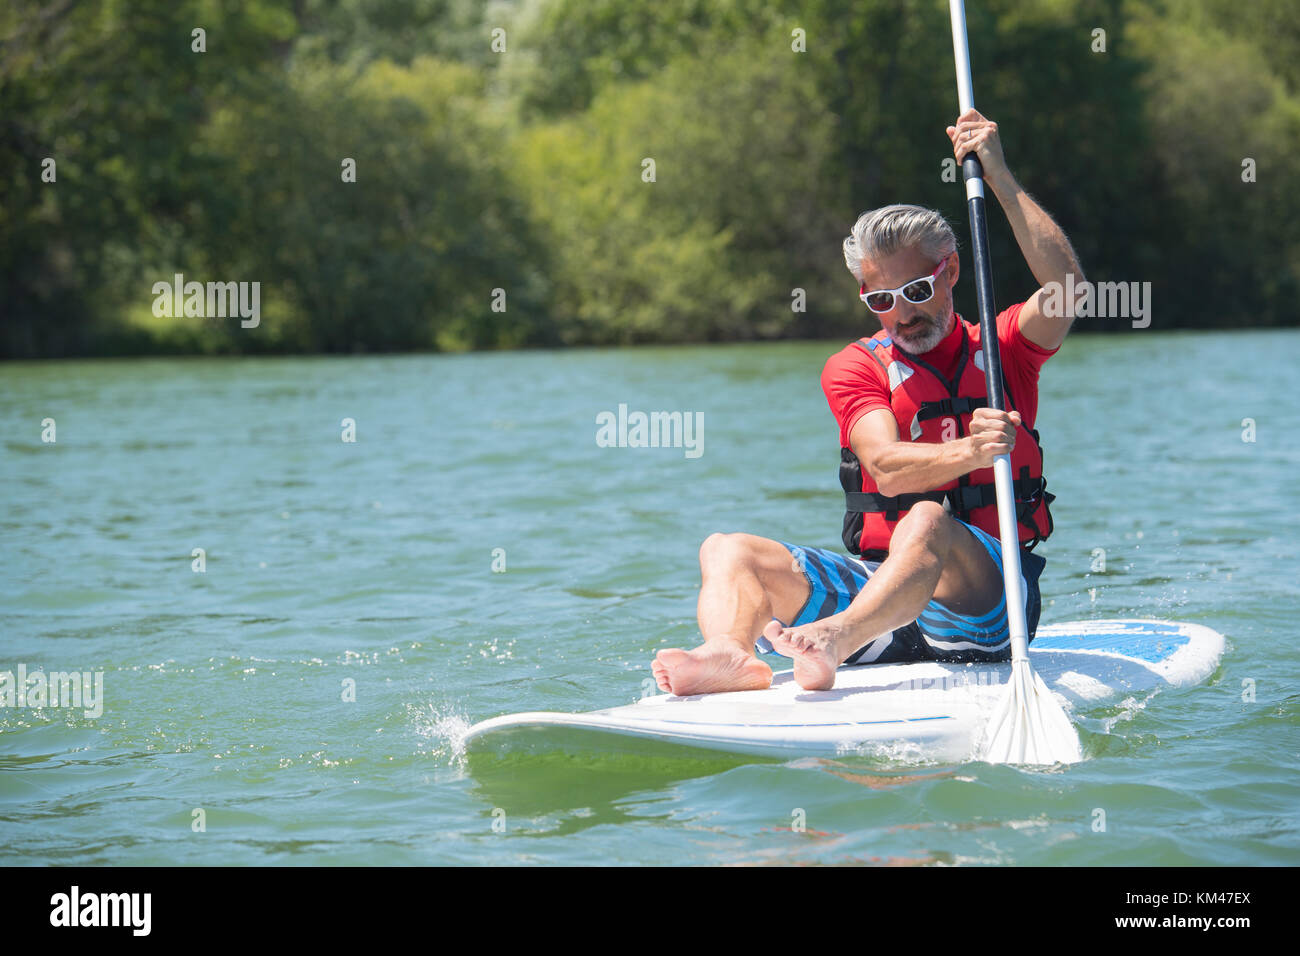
<point x="366" y="568"/>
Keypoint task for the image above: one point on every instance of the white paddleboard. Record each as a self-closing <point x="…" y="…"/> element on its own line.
<point x="925" y="710"/>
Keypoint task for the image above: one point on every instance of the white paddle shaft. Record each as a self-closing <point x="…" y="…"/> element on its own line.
<point x="961" y="53"/>
<point x="965" y="88"/>
<point x="1009" y="532"/>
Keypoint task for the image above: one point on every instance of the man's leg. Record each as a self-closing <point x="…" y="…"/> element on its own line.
<point x="931" y="557"/>
<point x="745" y="582"/>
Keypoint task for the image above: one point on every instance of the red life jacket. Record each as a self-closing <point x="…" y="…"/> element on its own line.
<point x="922" y="399"/>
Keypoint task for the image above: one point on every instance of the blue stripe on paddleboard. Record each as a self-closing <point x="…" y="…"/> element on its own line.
<point x="1143" y="641"/>
<point x="837" y="723"/>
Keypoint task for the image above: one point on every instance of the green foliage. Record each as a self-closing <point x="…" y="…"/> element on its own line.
<point x="408" y="255"/>
<point x="1212" y="102"/>
<point x="360" y="31"/>
<point x="712" y="247"/>
<point x="111" y="93"/>
<point x="522" y="170"/>
<point x="575" y="48"/>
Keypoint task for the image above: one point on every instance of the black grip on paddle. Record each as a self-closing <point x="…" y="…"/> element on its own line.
<point x="984" y="295"/>
<point x="971" y="167"/>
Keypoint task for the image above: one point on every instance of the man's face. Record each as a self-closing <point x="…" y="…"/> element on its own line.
<point x="916" y="327"/>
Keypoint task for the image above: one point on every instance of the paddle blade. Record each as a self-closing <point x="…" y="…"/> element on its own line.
<point x="1029" y="725"/>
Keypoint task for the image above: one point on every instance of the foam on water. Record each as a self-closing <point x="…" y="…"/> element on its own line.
<point x="441" y="724"/>
<point x="1129" y="708"/>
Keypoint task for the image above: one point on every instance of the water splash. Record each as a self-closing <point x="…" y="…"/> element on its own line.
<point x="442" y="726"/>
<point x="1128" y="709"/>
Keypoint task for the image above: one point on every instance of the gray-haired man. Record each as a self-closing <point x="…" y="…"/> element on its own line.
<point x="917" y="448"/>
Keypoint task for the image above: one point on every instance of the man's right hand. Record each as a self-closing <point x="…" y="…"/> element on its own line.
<point x="992" y="433"/>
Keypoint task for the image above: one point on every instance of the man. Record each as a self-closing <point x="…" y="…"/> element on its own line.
<point x="916" y="457"/>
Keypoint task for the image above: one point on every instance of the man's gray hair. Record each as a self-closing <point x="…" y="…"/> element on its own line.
<point x="882" y="232"/>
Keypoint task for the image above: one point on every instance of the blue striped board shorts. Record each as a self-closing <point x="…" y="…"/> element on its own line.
<point x="938" y="634"/>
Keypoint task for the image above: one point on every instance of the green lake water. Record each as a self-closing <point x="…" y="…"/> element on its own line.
<point x="333" y="565"/>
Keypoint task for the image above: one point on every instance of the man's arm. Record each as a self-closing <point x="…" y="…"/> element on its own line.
<point x="901" y="467"/>
<point x="1042" y="242"/>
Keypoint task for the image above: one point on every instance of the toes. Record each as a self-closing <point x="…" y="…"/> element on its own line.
<point x="660" y="674"/>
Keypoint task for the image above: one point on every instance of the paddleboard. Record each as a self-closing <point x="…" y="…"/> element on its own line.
<point x="924" y="710"/>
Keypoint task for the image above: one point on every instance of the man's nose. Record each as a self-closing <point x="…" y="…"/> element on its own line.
<point x="903" y="310"/>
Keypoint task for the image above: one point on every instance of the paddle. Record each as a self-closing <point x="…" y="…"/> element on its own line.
<point x="1029" y="726"/>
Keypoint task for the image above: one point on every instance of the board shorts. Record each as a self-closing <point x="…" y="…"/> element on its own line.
<point x="938" y="634"/>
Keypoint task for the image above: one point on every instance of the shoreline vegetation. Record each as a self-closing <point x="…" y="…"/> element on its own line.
<point x="459" y="176"/>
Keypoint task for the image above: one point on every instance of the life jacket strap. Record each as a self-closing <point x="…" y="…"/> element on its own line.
<point x="863" y="502"/>
<point x="949" y="406"/>
<point x="961" y="500"/>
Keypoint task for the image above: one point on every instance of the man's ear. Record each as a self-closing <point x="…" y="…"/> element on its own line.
<point x="953" y="270"/>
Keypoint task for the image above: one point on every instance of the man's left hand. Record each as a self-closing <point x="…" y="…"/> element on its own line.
<point x="975" y="133"/>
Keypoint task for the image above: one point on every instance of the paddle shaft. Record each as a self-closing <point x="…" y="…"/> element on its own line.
<point x="973" y="175"/>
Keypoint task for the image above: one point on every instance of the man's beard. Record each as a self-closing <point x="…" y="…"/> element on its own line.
<point x="928" y="332"/>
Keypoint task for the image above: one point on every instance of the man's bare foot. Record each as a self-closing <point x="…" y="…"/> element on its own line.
<point x="709" y="669"/>
<point x="814" y="648"/>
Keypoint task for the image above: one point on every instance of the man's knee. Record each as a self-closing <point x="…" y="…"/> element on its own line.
<point x="721" y="550"/>
<point x="926" y="533"/>
<point x="925" y="519"/>
<point x="724" y="553"/>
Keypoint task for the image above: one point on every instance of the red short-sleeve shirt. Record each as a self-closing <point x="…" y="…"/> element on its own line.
<point x="855" y="385"/>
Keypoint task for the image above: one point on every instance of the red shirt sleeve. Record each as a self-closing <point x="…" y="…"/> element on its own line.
<point x="1021" y="362"/>
<point x="854" y="385"/>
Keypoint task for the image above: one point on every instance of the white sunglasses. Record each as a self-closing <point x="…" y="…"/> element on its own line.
<point x="917" y="291"/>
